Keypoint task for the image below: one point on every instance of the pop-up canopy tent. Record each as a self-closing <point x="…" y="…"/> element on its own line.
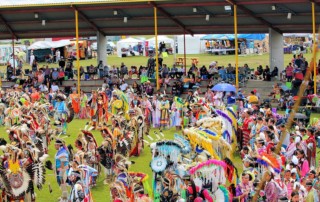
<point x="125" y="43"/>
<point x="49" y="44"/>
<point x="166" y="40"/>
<point x="231" y="37"/>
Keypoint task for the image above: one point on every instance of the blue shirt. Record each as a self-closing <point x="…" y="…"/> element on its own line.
<point x="62" y="156"/>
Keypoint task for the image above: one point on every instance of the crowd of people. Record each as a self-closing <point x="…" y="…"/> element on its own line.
<point x="277" y="163"/>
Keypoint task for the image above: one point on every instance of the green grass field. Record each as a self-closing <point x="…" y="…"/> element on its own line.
<point x="204" y="59"/>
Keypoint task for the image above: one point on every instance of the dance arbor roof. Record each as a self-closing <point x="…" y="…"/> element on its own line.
<point x="174" y="17"/>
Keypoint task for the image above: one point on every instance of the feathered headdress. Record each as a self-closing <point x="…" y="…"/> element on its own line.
<point x="270" y="162"/>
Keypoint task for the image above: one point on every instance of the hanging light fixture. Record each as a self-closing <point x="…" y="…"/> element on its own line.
<point x="227" y="8"/>
<point x="36" y="15"/>
<point x="194" y="9"/>
<point x="115" y="12"/>
<point x="289" y="16"/>
<point x="125" y="19"/>
<point x="43" y="22"/>
<point x="273" y="7"/>
<point x="207" y="17"/>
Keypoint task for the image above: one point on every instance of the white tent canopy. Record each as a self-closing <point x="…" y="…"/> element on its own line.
<point x="125" y="43"/>
<point x="165" y="39"/>
<point x="193" y="44"/>
<point x="49" y="44"/>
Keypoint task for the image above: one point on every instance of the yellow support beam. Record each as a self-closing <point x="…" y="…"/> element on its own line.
<point x="77" y="46"/>
<point x="314" y="48"/>
<point x="236" y="43"/>
<point x="156" y="50"/>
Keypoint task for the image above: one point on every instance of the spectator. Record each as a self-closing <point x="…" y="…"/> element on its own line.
<point x="81" y="71"/>
<point x="259" y="71"/>
<point x="289" y="72"/>
<point x="123" y="86"/>
<point x="101" y="69"/>
<point x="192" y="71"/>
<point x="252" y="98"/>
<point x="40" y="77"/>
<point x="43" y="88"/>
<point x="165" y="71"/>
<point x="74" y="88"/>
<point x="47" y="72"/>
<point x="54" y="87"/>
<point x="61" y="76"/>
<point x="166" y="82"/>
<point x="55" y="75"/>
<point x="275" y="72"/>
<point x="174" y="71"/>
<point x="123" y="69"/>
<point x="149" y="88"/>
<point x="62" y="63"/>
<point x="204" y="72"/>
<point x="34" y="66"/>
<point x="92" y="71"/>
<point x="35" y="96"/>
<point x="106" y="70"/>
<point x="223" y="73"/>
<point x="68" y="72"/>
<point x="266" y="74"/>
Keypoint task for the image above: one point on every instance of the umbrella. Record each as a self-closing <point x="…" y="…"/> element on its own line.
<point x="300" y="116"/>
<point x="224" y="87"/>
<point x="284" y="88"/>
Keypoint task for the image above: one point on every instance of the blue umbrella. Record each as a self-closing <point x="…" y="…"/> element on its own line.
<point x="224" y="87"/>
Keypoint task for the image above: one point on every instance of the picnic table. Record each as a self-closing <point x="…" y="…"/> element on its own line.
<point x="180" y="60"/>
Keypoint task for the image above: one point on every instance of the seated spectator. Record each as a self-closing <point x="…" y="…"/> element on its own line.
<point x="173" y="71"/>
<point x="68" y="72"/>
<point x="91" y="71"/>
<point x="133" y="70"/>
<point x="266" y="74"/>
<point x="192" y="71"/>
<point x="213" y="72"/>
<point x="55" y="75"/>
<point x="166" y="82"/>
<point x="165" y="71"/>
<point x="223" y="73"/>
<point x="136" y="87"/>
<point x="123" y="86"/>
<point x="47" y="72"/>
<point x="40" y="77"/>
<point x="61" y="76"/>
<point x="230" y="72"/>
<point x="252" y="98"/>
<point x="204" y="72"/>
<point x="275" y="72"/>
<point x="54" y="87"/>
<point x="242" y="73"/>
<point x="149" y="88"/>
<point x="180" y="72"/>
<point x="174" y="89"/>
<point x="43" y="88"/>
<point x="259" y="71"/>
<point x="123" y="69"/>
<point x="81" y="71"/>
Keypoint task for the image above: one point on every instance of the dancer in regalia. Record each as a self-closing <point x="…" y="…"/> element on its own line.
<point x="61" y="166"/>
<point x="61" y="113"/>
<point x="75" y="102"/>
<point x="164" y="109"/>
<point x="83" y="105"/>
